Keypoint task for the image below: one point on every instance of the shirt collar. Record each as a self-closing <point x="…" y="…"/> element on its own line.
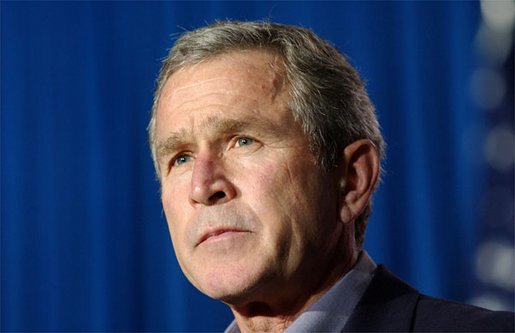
<point x="331" y="312"/>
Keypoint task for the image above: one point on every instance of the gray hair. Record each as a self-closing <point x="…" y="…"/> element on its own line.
<point x="327" y="96"/>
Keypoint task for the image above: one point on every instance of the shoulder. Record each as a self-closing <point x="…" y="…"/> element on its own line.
<point x="390" y="304"/>
<point x="433" y="314"/>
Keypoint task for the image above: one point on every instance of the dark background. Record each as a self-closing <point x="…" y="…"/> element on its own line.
<point x="84" y="242"/>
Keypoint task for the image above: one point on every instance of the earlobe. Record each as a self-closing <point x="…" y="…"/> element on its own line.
<point x="358" y="178"/>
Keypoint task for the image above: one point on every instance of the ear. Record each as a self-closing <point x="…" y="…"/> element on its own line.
<point x="358" y="178"/>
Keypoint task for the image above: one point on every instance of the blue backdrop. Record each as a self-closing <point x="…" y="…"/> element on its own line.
<point x="84" y="242"/>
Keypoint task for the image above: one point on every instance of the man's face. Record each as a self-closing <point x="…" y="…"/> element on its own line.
<point x="250" y="214"/>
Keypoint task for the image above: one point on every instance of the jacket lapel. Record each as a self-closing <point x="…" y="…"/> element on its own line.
<point x="388" y="305"/>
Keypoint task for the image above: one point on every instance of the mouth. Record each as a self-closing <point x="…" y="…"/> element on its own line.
<point x="219" y="234"/>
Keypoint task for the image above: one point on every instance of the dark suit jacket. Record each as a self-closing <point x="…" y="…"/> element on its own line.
<point x="391" y="305"/>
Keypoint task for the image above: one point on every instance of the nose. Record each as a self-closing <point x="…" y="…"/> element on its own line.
<point x="209" y="185"/>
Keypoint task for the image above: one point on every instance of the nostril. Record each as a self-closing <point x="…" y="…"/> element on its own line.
<point x="217" y="196"/>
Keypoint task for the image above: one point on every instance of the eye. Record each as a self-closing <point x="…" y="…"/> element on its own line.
<point x="244" y="141"/>
<point x="181" y="159"/>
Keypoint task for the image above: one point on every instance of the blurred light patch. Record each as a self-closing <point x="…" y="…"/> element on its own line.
<point x="495" y="264"/>
<point x="494" y="46"/>
<point x="500" y="15"/>
<point x="490" y="301"/>
<point x="487" y="88"/>
<point x="499" y="148"/>
<point x="491" y="88"/>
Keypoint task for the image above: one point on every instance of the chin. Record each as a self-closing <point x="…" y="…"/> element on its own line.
<point x="231" y="286"/>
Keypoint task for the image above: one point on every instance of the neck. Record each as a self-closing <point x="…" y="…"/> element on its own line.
<point x="276" y="312"/>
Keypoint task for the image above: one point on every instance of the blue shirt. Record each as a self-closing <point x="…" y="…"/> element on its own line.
<point x="331" y="312"/>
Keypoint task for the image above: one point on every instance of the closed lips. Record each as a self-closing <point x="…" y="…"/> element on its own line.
<point x="217" y="232"/>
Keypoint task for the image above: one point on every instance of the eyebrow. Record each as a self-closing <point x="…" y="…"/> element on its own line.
<point x="214" y="124"/>
<point x="171" y="144"/>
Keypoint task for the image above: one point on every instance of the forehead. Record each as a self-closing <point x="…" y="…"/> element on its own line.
<point x="261" y="70"/>
<point x="238" y="84"/>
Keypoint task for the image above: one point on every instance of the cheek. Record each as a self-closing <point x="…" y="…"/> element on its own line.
<point x="266" y="186"/>
<point x="175" y="195"/>
<point x="284" y="184"/>
<point x="298" y="194"/>
<point x="175" y="207"/>
<point x="272" y="195"/>
<point x="263" y="180"/>
<point x="167" y="204"/>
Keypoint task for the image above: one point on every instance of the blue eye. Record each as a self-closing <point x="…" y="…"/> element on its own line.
<point x="244" y="141"/>
<point x="181" y="159"/>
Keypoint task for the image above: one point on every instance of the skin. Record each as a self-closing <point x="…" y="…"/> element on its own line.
<point x="254" y="221"/>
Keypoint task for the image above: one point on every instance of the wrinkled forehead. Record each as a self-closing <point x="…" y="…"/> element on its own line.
<point x="261" y="69"/>
<point x="250" y="79"/>
<point x="237" y="86"/>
